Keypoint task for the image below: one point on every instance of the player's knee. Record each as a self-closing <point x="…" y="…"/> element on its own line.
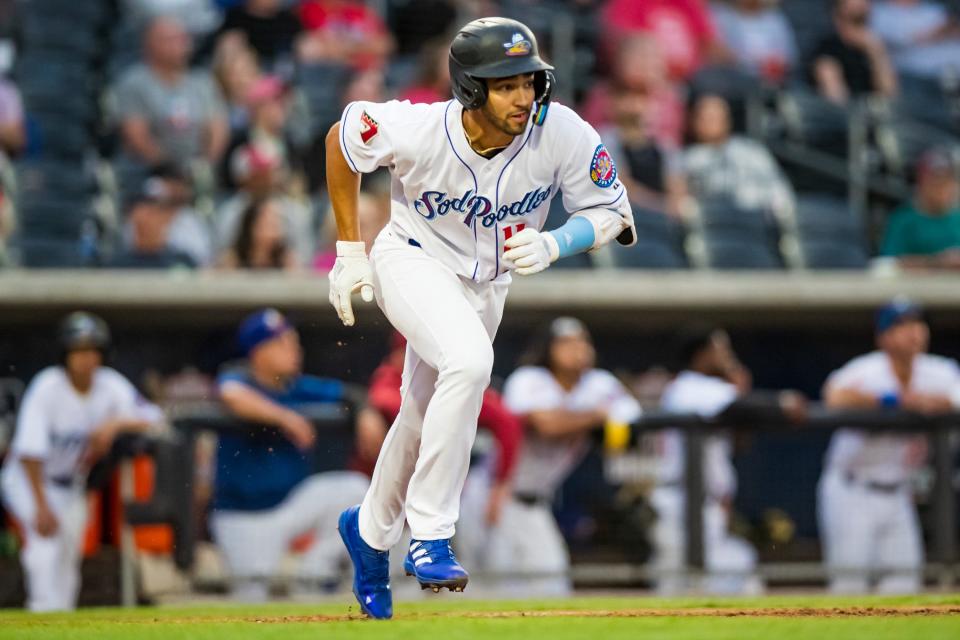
<point x="472" y="366"/>
<point x="41" y="556"/>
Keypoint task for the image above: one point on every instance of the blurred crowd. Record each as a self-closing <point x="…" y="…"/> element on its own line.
<point x="210" y="116"/>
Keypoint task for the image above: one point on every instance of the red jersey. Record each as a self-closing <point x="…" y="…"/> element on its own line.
<point x="682" y="28"/>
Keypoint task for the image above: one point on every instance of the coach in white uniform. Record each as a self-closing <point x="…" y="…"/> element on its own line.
<point x="711" y="380"/>
<point x="868" y="523"/>
<point x="562" y="398"/>
<point x="69" y="417"/>
<point x="472" y="180"/>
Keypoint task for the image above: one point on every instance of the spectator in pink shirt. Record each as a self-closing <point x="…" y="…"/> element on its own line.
<point x="683" y="28"/>
<point x="344" y="31"/>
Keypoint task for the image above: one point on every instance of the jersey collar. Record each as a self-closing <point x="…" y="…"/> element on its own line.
<point x="458" y="139"/>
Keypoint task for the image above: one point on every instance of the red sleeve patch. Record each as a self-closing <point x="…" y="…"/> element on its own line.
<point x="368" y="127"/>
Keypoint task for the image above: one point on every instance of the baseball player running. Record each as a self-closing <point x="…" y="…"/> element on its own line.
<point x="471" y="183"/>
<point x="868" y="523"/>
<point x="70" y="415"/>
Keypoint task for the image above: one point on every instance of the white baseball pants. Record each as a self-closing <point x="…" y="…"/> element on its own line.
<point x="868" y="534"/>
<point x="254" y="543"/>
<point x="449" y="323"/>
<point x="51" y="565"/>
<point x="730" y="561"/>
<point x="523" y="554"/>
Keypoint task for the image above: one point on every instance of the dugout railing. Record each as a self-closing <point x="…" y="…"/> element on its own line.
<point x="172" y="502"/>
<point x="941" y="558"/>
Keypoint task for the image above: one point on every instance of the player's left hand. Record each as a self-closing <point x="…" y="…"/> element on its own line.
<point x="531" y="251"/>
<point x="351" y="273"/>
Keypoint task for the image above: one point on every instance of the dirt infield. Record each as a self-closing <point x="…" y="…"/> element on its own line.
<point x="771" y="612"/>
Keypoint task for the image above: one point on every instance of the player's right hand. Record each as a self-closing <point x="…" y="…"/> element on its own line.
<point x="351" y="273"/>
<point x="46" y="523"/>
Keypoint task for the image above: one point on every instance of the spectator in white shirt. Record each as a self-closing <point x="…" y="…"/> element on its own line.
<point x="759" y="36"/>
<point x="922" y="36"/>
<point x="721" y="165"/>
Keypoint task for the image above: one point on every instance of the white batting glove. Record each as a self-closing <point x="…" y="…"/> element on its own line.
<point x="531" y="251"/>
<point x="351" y="273"/>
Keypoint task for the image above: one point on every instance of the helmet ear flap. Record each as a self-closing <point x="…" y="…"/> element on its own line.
<point x="470" y="91"/>
<point x="543" y="82"/>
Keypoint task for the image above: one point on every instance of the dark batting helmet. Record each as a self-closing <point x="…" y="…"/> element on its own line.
<point x="497" y="48"/>
<point x="82" y="330"/>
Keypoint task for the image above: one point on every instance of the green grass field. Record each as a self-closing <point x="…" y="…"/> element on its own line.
<point x="783" y="618"/>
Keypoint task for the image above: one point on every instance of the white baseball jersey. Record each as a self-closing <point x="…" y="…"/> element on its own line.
<point x="885" y="457"/>
<point x="706" y="396"/>
<point x="460" y="207"/>
<point x="545" y="462"/>
<point x="55" y="421"/>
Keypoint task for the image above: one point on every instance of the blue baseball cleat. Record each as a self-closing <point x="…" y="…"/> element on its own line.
<point x="434" y="566"/>
<point x="371" y="568"/>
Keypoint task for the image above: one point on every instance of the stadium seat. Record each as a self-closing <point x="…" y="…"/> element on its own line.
<point x="41" y="32"/>
<point x="902" y="141"/>
<point x="49" y="67"/>
<point x="321" y="85"/>
<point x="61" y="138"/>
<point x="82" y="13"/>
<point x="830" y="235"/>
<point x="49" y="102"/>
<point x="42" y="253"/>
<point x="67" y="179"/>
<point x="809" y="25"/>
<point x="811" y="120"/>
<point x="659" y="244"/>
<point x="738" y="238"/>
<point x="734" y="253"/>
<point x="58" y="222"/>
<point x="924" y="100"/>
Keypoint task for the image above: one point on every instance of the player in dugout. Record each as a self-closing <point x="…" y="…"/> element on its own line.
<point x="69" y="418"/>
<point x="711" y="382"/>
<point x="266" y="493"/>
<point x="868" y="522"/>
<point x="562" y="398"/>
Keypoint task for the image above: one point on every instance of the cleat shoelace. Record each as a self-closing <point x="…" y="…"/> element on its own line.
<point x="376" y="565"/>
<point x="438" y="550"/>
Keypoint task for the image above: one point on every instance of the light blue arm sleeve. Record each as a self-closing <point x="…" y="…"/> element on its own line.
<point x="576" y="236"/>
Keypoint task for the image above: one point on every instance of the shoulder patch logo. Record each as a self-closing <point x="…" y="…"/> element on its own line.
<point x="518" y="45"/>
<point x="603" y="172"/>
<point x="368" y="127"/>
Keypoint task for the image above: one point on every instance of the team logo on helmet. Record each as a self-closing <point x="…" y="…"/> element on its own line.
<point x="518" y="45"/>
<point x="603" y="171"/>
<point x="368" y="127"/>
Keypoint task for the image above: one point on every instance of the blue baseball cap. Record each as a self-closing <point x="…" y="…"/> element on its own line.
<point x="260" y="327"/>
<point x="896" y="311"/>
